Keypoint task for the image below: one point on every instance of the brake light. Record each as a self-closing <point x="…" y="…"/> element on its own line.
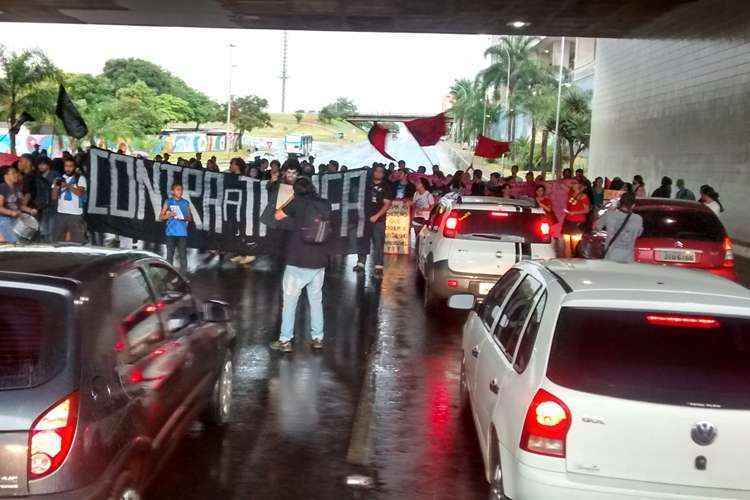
<point x="544" y="228"/>
<point x="499" y="214"/>
<point x="546" y="426"/>
<point x="683" y="321"/>
<point x="452" y="283"/>
<point x="451" y="227"/>
<point x="728" y="253"/>
<point x="51" y="437"/>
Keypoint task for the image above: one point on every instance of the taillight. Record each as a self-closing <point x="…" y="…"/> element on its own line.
<point x="682" y="321"/>
<point x="544" y="228"/>
<point x="546" y="425"/>
<point x="728" y="253"/>
<point x="451" y="227"/>
<point x="452" y="283"/>
<point x="51" y="437"/>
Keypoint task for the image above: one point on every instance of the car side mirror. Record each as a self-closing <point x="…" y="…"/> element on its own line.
<point x="462" y="302"/>
<point x="216" y="311"/>
<point x="179" y="319"/>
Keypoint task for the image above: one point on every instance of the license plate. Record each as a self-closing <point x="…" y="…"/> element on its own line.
<point x="484" y="288"/>
<point x="685" y="256"/>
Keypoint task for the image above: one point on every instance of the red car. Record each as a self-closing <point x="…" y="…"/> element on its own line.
<point x="676" y="233"/>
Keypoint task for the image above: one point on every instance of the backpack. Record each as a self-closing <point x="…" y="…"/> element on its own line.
<point x="316" y="227"/>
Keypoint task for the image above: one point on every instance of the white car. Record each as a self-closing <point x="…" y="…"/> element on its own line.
<point x="596" y="380"/>
<point x="470" y="241"/>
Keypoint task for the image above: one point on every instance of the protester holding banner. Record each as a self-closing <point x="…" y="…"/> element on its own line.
<point x="379" y="197"/>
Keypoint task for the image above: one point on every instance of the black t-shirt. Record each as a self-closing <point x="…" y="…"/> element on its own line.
<point x="376" y="196"/>
<point x="477" y="189"/>
<point x="403" y="191"/>
<point x="299" y="253"/>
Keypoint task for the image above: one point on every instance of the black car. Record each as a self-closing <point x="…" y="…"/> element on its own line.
<point x="105" y="359"/>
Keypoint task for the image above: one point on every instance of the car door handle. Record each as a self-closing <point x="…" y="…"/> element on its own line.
<point x="499" y="254"/>
<point x="475" y="351"/>
<point x="493" y="386"/>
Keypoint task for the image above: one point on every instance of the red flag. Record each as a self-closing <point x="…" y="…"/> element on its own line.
<point x="490" y="148"/>
<point x="377" y="137"/>
<point x="427" y="131"/>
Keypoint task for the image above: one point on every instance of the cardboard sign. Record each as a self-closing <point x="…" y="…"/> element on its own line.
<point x="398" y="229"/>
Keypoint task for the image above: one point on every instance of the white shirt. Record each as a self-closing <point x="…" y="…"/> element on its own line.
<point x="70" y="206"/>
<point x="422" y="203"/>
<point x="714" y="206"/>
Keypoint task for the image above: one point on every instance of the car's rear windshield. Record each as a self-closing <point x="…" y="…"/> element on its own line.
<point x="33" y="343"/>
<point x="669" y="358"/>
<point x="682" y="224"/>
<point x="502" y="225"/>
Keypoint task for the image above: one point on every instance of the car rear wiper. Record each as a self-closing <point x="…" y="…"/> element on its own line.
<point x="499" y="237"/>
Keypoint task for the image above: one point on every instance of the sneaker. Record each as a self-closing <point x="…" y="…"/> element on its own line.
<point x="378" y="273"/>
<point x="278" y="345"/>
<point x="358" y="268"/>
<point x="236" y="259"/>
<point x="317" y="344"/>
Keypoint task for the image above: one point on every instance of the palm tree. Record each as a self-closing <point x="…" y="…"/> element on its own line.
<point x="22" y="85"/>
<point x="537" y="100"/>
<point x="515" y="50"/>
<point x="575" y="123"/>
<point x="469" y="109"/>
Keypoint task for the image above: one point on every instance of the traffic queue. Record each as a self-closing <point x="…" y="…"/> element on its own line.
<point x="615" y="371"/>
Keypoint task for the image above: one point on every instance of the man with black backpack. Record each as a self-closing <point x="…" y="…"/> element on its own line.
<point x="307" y="219"/>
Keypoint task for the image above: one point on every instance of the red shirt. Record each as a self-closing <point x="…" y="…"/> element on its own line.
<point x="576" y="204"/>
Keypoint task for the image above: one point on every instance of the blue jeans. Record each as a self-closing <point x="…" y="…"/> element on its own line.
<point x="6" y="229"/>
<point x="295" y="279"/>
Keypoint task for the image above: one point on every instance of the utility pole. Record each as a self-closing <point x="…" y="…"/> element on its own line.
<point x="557" y="111"/>
<point x="284" y="75"/>
<point x="229" y="99"/>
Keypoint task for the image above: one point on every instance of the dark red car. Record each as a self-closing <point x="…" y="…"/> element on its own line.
<point x="677" y="233"/>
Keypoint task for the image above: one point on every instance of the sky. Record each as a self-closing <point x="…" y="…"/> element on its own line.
<point x="381" y="72"/>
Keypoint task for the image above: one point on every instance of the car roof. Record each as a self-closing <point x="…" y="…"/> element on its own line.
<point x="668" y="203"/>
<point x="74" y="262"/>
<point x="492" y="203"/>
<point x="603" y="275"/>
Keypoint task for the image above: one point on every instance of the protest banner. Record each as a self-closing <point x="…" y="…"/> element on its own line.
<point x="398" y="229"/>
<point x="126" y="195"/>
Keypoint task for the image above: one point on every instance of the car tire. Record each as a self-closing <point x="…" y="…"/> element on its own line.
<point x="126" y="488"/>
<point x="430" y="299"/>
<point x="219" y="410"/>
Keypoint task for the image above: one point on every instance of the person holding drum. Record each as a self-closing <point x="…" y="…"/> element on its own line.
<point x="12" y="204"/>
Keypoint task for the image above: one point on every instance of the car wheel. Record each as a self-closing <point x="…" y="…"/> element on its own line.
<point x="219" y="410"/>
<point x="125" y="488"/>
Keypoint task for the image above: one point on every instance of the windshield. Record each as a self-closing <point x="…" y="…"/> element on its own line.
<point x="32" y="337"/>
<point x="669" y="358"/>
<point x="503" y="226"/>
<point x="681" y="224"/>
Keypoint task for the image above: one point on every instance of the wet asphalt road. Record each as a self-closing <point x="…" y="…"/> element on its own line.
<point x="381" y="400"/>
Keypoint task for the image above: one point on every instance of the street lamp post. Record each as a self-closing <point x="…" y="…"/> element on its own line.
<point x="557" y="112"/>
<point x="229" y="99"/>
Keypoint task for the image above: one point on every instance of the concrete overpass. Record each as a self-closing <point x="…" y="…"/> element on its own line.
<point x="672" y="87"/>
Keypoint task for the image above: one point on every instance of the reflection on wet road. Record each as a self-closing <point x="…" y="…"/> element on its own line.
<point x="381" y="400"/>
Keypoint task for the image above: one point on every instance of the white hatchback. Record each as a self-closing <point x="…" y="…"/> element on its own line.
<point x="470" y="241"/>
<point x="598" y="380"/>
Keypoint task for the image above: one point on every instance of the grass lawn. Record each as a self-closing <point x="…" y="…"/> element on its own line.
<point x="285" y="123"/>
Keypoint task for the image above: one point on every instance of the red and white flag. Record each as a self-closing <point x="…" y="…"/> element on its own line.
<point x="378" y="136"/>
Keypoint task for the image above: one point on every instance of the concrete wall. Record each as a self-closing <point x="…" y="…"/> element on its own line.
<point x="679" y="108"/>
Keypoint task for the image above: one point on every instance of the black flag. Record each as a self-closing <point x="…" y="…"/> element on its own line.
<point x="71" y="118"/>
<point x="16" y="127"/>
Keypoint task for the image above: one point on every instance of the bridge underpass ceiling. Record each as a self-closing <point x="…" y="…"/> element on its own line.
<point x="593" y="18"/>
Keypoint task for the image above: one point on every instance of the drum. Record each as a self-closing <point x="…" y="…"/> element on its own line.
<point x="26" y="227"/>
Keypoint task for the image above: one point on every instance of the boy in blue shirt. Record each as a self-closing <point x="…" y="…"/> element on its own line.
<point x="176" y="211"/>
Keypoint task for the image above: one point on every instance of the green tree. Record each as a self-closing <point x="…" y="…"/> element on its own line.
<point x="337" y="110"/>
<point x="538" y="101"/>
<point x="124" y="72"/>
<point x="22" y="85"/>
<point x="575" y="124"/>
<point x="248" y="113"/>
<point x="470" y="112"/>
<point x="299" y="115"/>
